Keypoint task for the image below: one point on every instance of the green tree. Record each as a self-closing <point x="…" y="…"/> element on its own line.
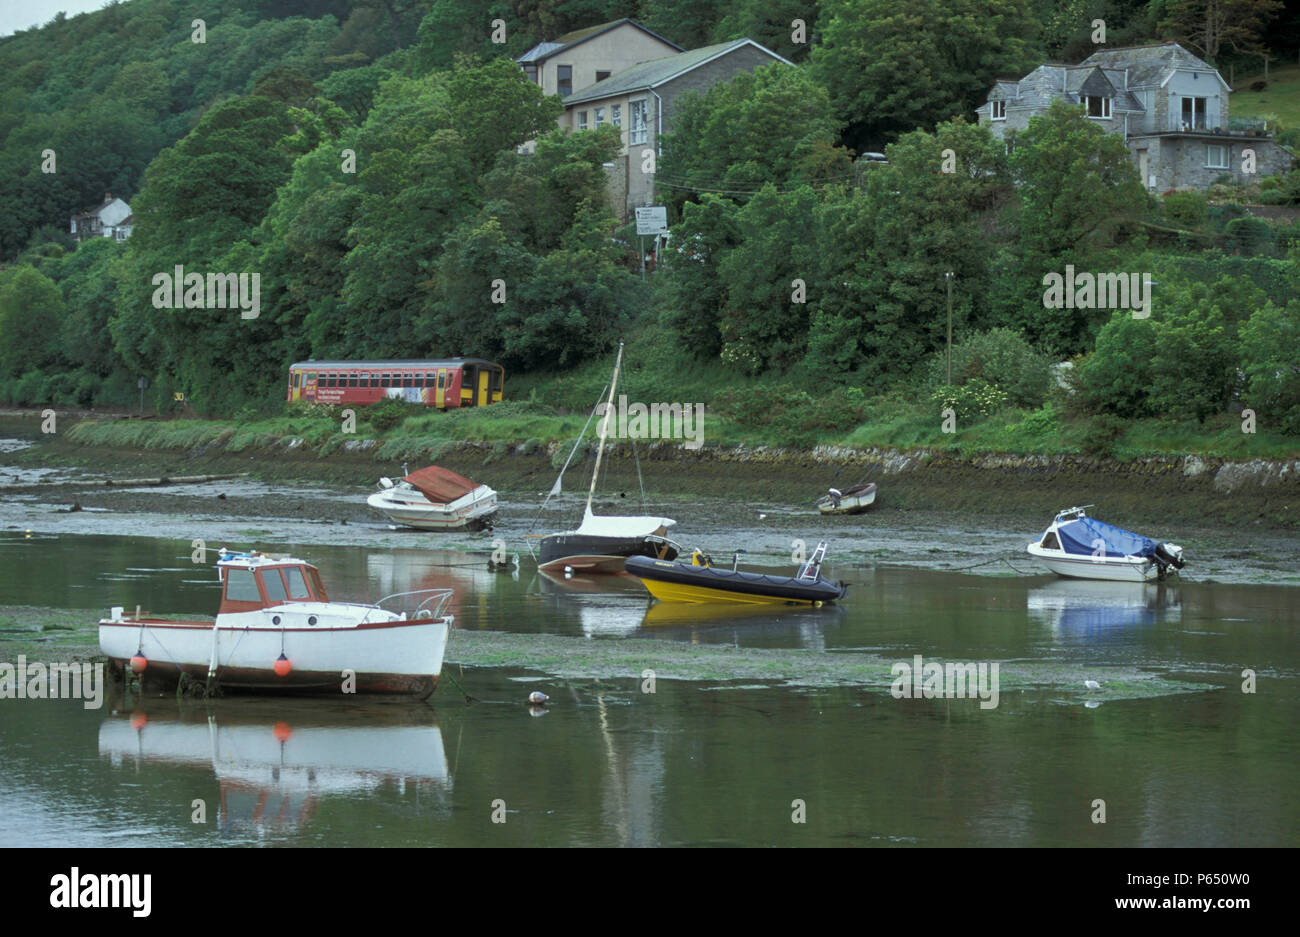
<point x="892" y="66"/>
<point x="31" y="308"/>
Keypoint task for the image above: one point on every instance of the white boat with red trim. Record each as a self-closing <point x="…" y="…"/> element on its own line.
<point x="277" y="631"/>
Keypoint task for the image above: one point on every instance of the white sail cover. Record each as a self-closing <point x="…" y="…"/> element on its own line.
<point x="622" y="526"/>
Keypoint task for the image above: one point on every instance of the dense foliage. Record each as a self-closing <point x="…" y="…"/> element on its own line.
<point x="363" y="159"/>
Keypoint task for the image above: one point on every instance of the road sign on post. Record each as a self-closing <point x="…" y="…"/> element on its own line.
<point x="652" y="219"/>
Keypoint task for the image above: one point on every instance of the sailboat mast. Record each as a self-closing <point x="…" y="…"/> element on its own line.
<point x="604" y="428"/>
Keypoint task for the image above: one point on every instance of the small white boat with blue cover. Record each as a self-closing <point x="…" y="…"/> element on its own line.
<point x="1082" y="547"/>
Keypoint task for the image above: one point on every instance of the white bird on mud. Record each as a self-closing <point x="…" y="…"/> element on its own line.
<point x="1092" y="684"/>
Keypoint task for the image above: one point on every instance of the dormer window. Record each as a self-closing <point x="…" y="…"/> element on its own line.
<point x="1098" y="107"/>
<point x="998" y="109"/>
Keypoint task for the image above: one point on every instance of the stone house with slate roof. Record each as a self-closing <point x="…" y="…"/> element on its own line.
<point x="586" y="56"/>
<point x="1170" y="106"/>
<point x="639" y="101"/>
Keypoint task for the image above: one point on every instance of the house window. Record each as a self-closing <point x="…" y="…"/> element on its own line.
<point x="601" y="76"/>
<point x="582" y="120"/>
<point x="1098" y="107"/>
<point x="530" y="72"/>
<point x="616" y="115"/>
<point x="1216" y="157"/>
<point x="1193" y="113"/>
<point x="600" y="116"/>
<point x="998" y="109"/>
<point x="636" y="118"/>
<point x="564" y="79"/>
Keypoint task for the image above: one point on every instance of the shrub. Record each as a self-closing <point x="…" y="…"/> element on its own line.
<point x="976" y="398"/>
<point x="389" y="413"/>
<point x="1187" y="208"/>
<point x="1102" y="434"/>
<point x="1001" y="358"/>
<point x="1249" y="235"/>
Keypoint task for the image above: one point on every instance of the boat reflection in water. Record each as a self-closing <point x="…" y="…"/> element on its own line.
<point x="274" y="762"/>
<point x="604" y="604"/>
<point x="1084" y="608"/>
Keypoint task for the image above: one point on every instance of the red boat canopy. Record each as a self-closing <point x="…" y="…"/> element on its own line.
<point x="440" y="485"/>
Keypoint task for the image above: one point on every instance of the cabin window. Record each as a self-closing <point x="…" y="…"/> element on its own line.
<point x="998" y="109"/>
<point x="564" y="79"/>
<point x="274" y="585"/>
<point x="297" y="584"/>
<point x="316" y="585"/>
<point x="1050" y="542"/>
<point x="241" y="586"/>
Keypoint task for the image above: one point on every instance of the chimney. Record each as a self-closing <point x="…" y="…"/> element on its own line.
<point x="108" y="197"/>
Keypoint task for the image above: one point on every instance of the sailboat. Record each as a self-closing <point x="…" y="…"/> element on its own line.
<point x="602" y="543"/>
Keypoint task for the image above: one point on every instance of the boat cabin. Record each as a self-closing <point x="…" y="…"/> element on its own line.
<point x="253" y="581"/>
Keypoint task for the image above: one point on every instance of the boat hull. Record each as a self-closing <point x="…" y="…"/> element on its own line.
<point x="399" y="658"/>
<point x="682" y="582"/>
<point x="853" y="501"/>
<point x="1110" y="569"/>
<point x="595" y="554"/>
<point x="432" y="516"/>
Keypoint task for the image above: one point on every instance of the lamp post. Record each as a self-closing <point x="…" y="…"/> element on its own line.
<point x="948" y="277"/>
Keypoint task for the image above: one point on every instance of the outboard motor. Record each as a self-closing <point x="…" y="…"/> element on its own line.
<point x="1167" y="555"/>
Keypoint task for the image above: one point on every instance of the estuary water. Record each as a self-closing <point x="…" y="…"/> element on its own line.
<point x="651" y="737"/>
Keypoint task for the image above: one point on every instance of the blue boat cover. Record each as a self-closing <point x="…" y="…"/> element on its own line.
<point x="1079" y="536"/>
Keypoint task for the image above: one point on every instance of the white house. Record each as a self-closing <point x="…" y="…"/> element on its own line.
<point x="112" y="219"/>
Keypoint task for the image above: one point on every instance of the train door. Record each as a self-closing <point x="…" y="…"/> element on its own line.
<point x="309" y="386"/>
<point x="441" y="399"/>
<point x="484" y="376"/>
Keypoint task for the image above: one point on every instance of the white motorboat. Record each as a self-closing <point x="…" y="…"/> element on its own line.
<point x="277" y="630"/>
<point x="853" y="500"/>
<point x="1082" y="547"/>
<point x="435" y="498"/>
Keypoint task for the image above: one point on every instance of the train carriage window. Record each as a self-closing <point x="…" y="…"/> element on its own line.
<point x="442" y="380"/>
<point x="328" y="379"/>
<point x="374" y="378"/>
<point x="352" y="380"/>
<point x="297" y="585"/>
<point x="311" y="377"/>
<point x="387" y="379"/>
<point x="274" y="585"/>
<point x="241" y="587"/>
<point x="409" y="380"/>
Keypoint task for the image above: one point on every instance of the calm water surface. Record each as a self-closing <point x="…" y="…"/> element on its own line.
<point x="692" y="763"/>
